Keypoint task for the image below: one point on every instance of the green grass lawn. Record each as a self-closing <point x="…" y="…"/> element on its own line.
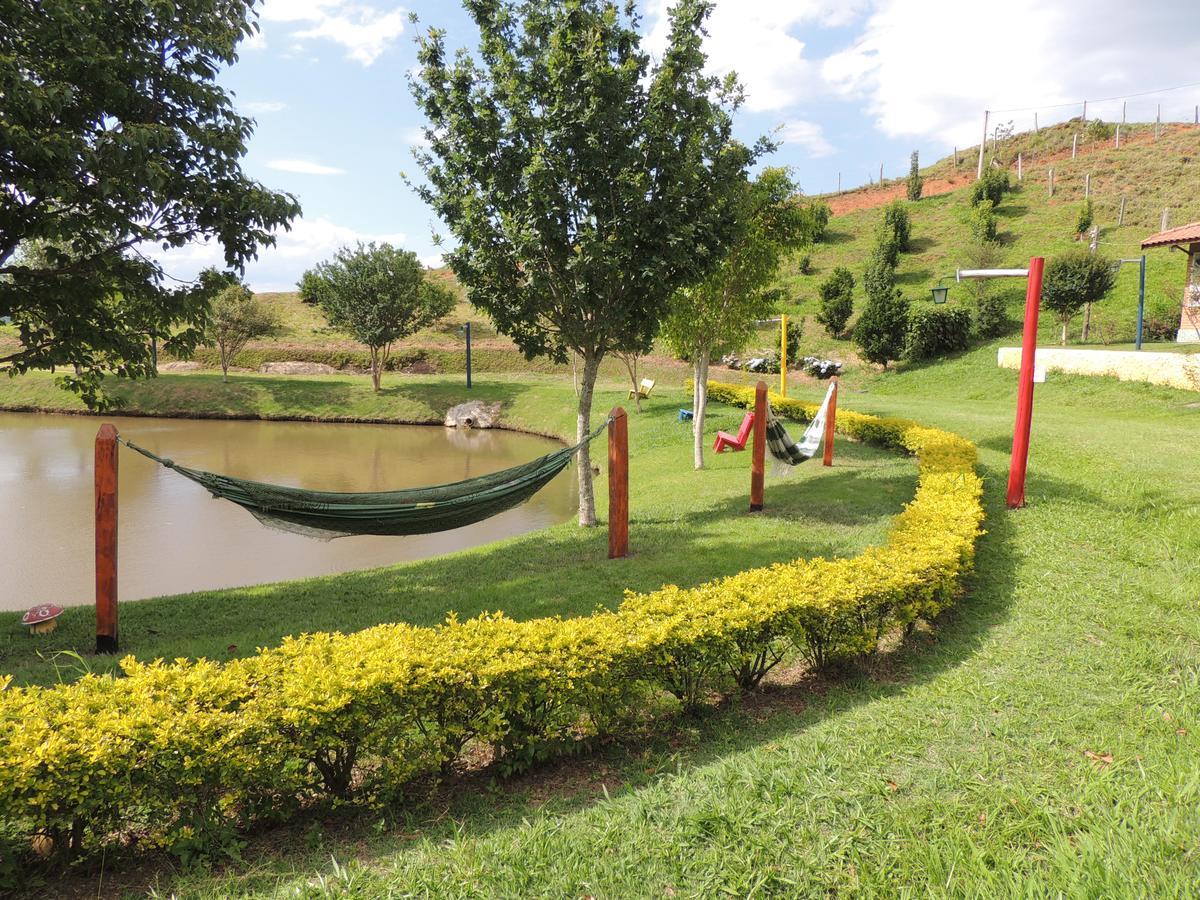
<point x="1041" y="741"/>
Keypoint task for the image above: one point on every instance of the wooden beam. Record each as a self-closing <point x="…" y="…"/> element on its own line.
<point x="106" y="539"/>
<point x="830" y="425"/>
<point x="618" y="484"/>
<point x="758" y="453"/>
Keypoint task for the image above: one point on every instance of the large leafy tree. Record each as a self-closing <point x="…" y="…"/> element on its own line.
<point x="115" y="137"/>
<point x="583" y="186"/>
<point x="378" y="294"/>
<point x="718" y="314"/>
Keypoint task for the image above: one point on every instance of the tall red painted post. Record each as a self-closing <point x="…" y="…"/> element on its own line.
<point x="106" y="539"/>
<point x="758" y="454"/>
<point x="1020" y="445"/>
<point x="618" y="484"/>
<point x="830" y="424"/>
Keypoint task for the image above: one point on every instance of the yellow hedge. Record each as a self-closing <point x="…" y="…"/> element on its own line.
<point x="184" y="754"/>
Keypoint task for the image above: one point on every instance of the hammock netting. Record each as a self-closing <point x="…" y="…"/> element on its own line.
<point x="330" y="514"/>
<point x="785" y="452"/>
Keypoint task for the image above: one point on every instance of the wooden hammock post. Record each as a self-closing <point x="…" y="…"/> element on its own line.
<point x="758" y="453"/>
<point x="618" y="484"/>
<point x="830" y="424"/>
<point x="106" y="539"/>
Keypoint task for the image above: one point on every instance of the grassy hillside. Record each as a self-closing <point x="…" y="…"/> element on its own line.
<point x="1150" y="174"/>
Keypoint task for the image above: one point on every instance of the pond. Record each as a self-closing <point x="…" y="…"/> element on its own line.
<point x="175" y="538"/>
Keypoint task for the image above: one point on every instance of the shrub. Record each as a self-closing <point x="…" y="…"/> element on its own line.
<point x="879" y="277"/>
<point x="1084" y="221"/>
<point x="894" y="228"/>
<point x="820" y="368"/>
<point x="981" y="220"/>
<point x="816" y="219"/>
<point x="915" y="181"/>
<point x="881" y="329"/>
<point x="937" y="330"/>
<point x="992" y="186"/>
<point x="836" y="301"/>
<point x="1073" y="280"/>
<point x="1161" y="320"/>
<point x="1099" y="130"/>
<point x="183" y="754"/>
<point x="804" y="264"/>
<point x="991" y="315"/>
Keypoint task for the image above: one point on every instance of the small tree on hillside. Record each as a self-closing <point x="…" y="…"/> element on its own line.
<point x="837" y="301"/>
<point x="718" y="315"/>
<point x="1074" y="279"/>
<point x="991" y="317"/>
<point x="377" y="294"/>
<point x="584" y="186"/>
<point x="236" y="318"/>
<point x="915" y="182"/>
<point x="893" y="232"/>
<point x="882" y="329"/>
<point x="992" y="186"/>
<point x="1084" y="221"/>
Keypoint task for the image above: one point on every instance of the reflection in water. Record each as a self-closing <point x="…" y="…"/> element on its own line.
<point x="175" y="538"/>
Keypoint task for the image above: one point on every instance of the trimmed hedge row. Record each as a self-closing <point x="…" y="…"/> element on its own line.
<point x="184" y="755"/>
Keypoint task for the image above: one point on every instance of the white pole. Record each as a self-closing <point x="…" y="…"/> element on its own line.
<point x="982" y="145"/>
<point x="1074" y="142"/>
<point x="1018" y="167"/>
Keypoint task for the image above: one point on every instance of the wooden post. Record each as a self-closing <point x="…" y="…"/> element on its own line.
<point x="1020" y="171"/>
<point x="1118" y="144"/>
<point x="1035" y="124"/>
<point x="881" y="173"/>
<point x="1123" y="103"/>
<point x="1166" y="219"/>
<point x="1074" y="144"/>
<point x="106" y="539"/>
<point x="1157" y="121"/>
<point x="982" y="146"/>
<point x="1087" y="185"/>
<point x="830" y="424"/>
<point x="618" y="484"/>
<point x="1051" y="181"/>
<point x="1020" y="445"/>
<point x="1085" y="111"/>
<point x="956" y="157"/>
<point x="839" y="182"/>
<point x="783" y="360"/>
<point x="1121" y="212"/>
<point x="758" y="453"/>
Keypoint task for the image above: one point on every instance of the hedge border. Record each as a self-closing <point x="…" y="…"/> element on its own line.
<point x="185" y="755"/>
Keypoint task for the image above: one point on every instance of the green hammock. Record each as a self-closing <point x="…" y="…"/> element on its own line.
<point x="329" y="514"/>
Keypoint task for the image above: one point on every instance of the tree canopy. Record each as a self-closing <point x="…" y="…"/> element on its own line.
<point x="1073" y="280"/>
<point x="378" y="294"/>
<point x="583" y="185"/>
<point x="236" y="318"/>
<point x="718" y="315"/>
<point x="117" y="138"/>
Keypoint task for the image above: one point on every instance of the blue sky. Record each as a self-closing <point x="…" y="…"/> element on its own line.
<point x="849" y="83"/>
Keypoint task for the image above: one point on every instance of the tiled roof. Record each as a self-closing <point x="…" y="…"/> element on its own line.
<point x="1184" y="234"/>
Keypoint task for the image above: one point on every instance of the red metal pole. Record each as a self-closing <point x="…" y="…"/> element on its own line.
<point x="830" y="424"/>
<point x="1020" y="445"/>
<point x="758" y="454"/>
<point x="106" y="539"/>
<point x="618" y="484"/>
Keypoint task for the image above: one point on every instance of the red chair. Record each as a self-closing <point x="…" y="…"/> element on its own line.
<point x="725" y="439"/>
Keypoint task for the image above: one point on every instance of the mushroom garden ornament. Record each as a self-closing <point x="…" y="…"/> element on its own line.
<point x="42" y="619"/>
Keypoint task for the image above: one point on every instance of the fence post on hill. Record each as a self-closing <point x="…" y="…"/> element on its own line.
<point x="982" y="146"/>
<point x="758" y="453"/>
<point x="1018" y="167"/>
<point x="1166" y="219"/>
<point x="1118" y="144"/>
<point x="1074" y="143"/>
<point x="1196" y="120"/>
<point x="839" y="182"/>
<point x="830" y="425"/>
<point x="1020" y="445"/>
<point x="881" y="173"/>
<point x="1036" y="130"/>
<point x="1123" y="104"/>
<point x="1158" y="122"/>
<point x="618" y="484"/>
<point x="106" y="539"/>
<point x="1087" y="185"/>
<point x="1121" y="212"/>
<point x="1051" y="181"/>
<point x="1085" y="112"/>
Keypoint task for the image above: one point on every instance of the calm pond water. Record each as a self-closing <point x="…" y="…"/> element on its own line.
<point x="174" y="537"/>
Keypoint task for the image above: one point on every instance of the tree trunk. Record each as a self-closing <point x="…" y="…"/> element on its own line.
<point x="1063" y="340"/>
<point x="699" y="406"/>
<point x="376" y="368"/>
<point x="630" y="361"/>
<point x="583" y="427"/>
<point x="1087" y="322"/>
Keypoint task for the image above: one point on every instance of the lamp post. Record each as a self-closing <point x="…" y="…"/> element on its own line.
<point x="939" y="293"/>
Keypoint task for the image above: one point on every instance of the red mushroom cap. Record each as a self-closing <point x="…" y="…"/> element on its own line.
<point x="43" y="612"/>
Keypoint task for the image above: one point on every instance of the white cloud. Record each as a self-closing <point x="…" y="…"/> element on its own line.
<point x="264" y="106"/>
<point x="808" y="135"/>
<point x="929" y="69"/>
<point x="432" y="260"/>
<point x="277" y="268"/>
<point x="364" y="31"/>
<point x="756" y="39"/>
<point x="303" y="167"/>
